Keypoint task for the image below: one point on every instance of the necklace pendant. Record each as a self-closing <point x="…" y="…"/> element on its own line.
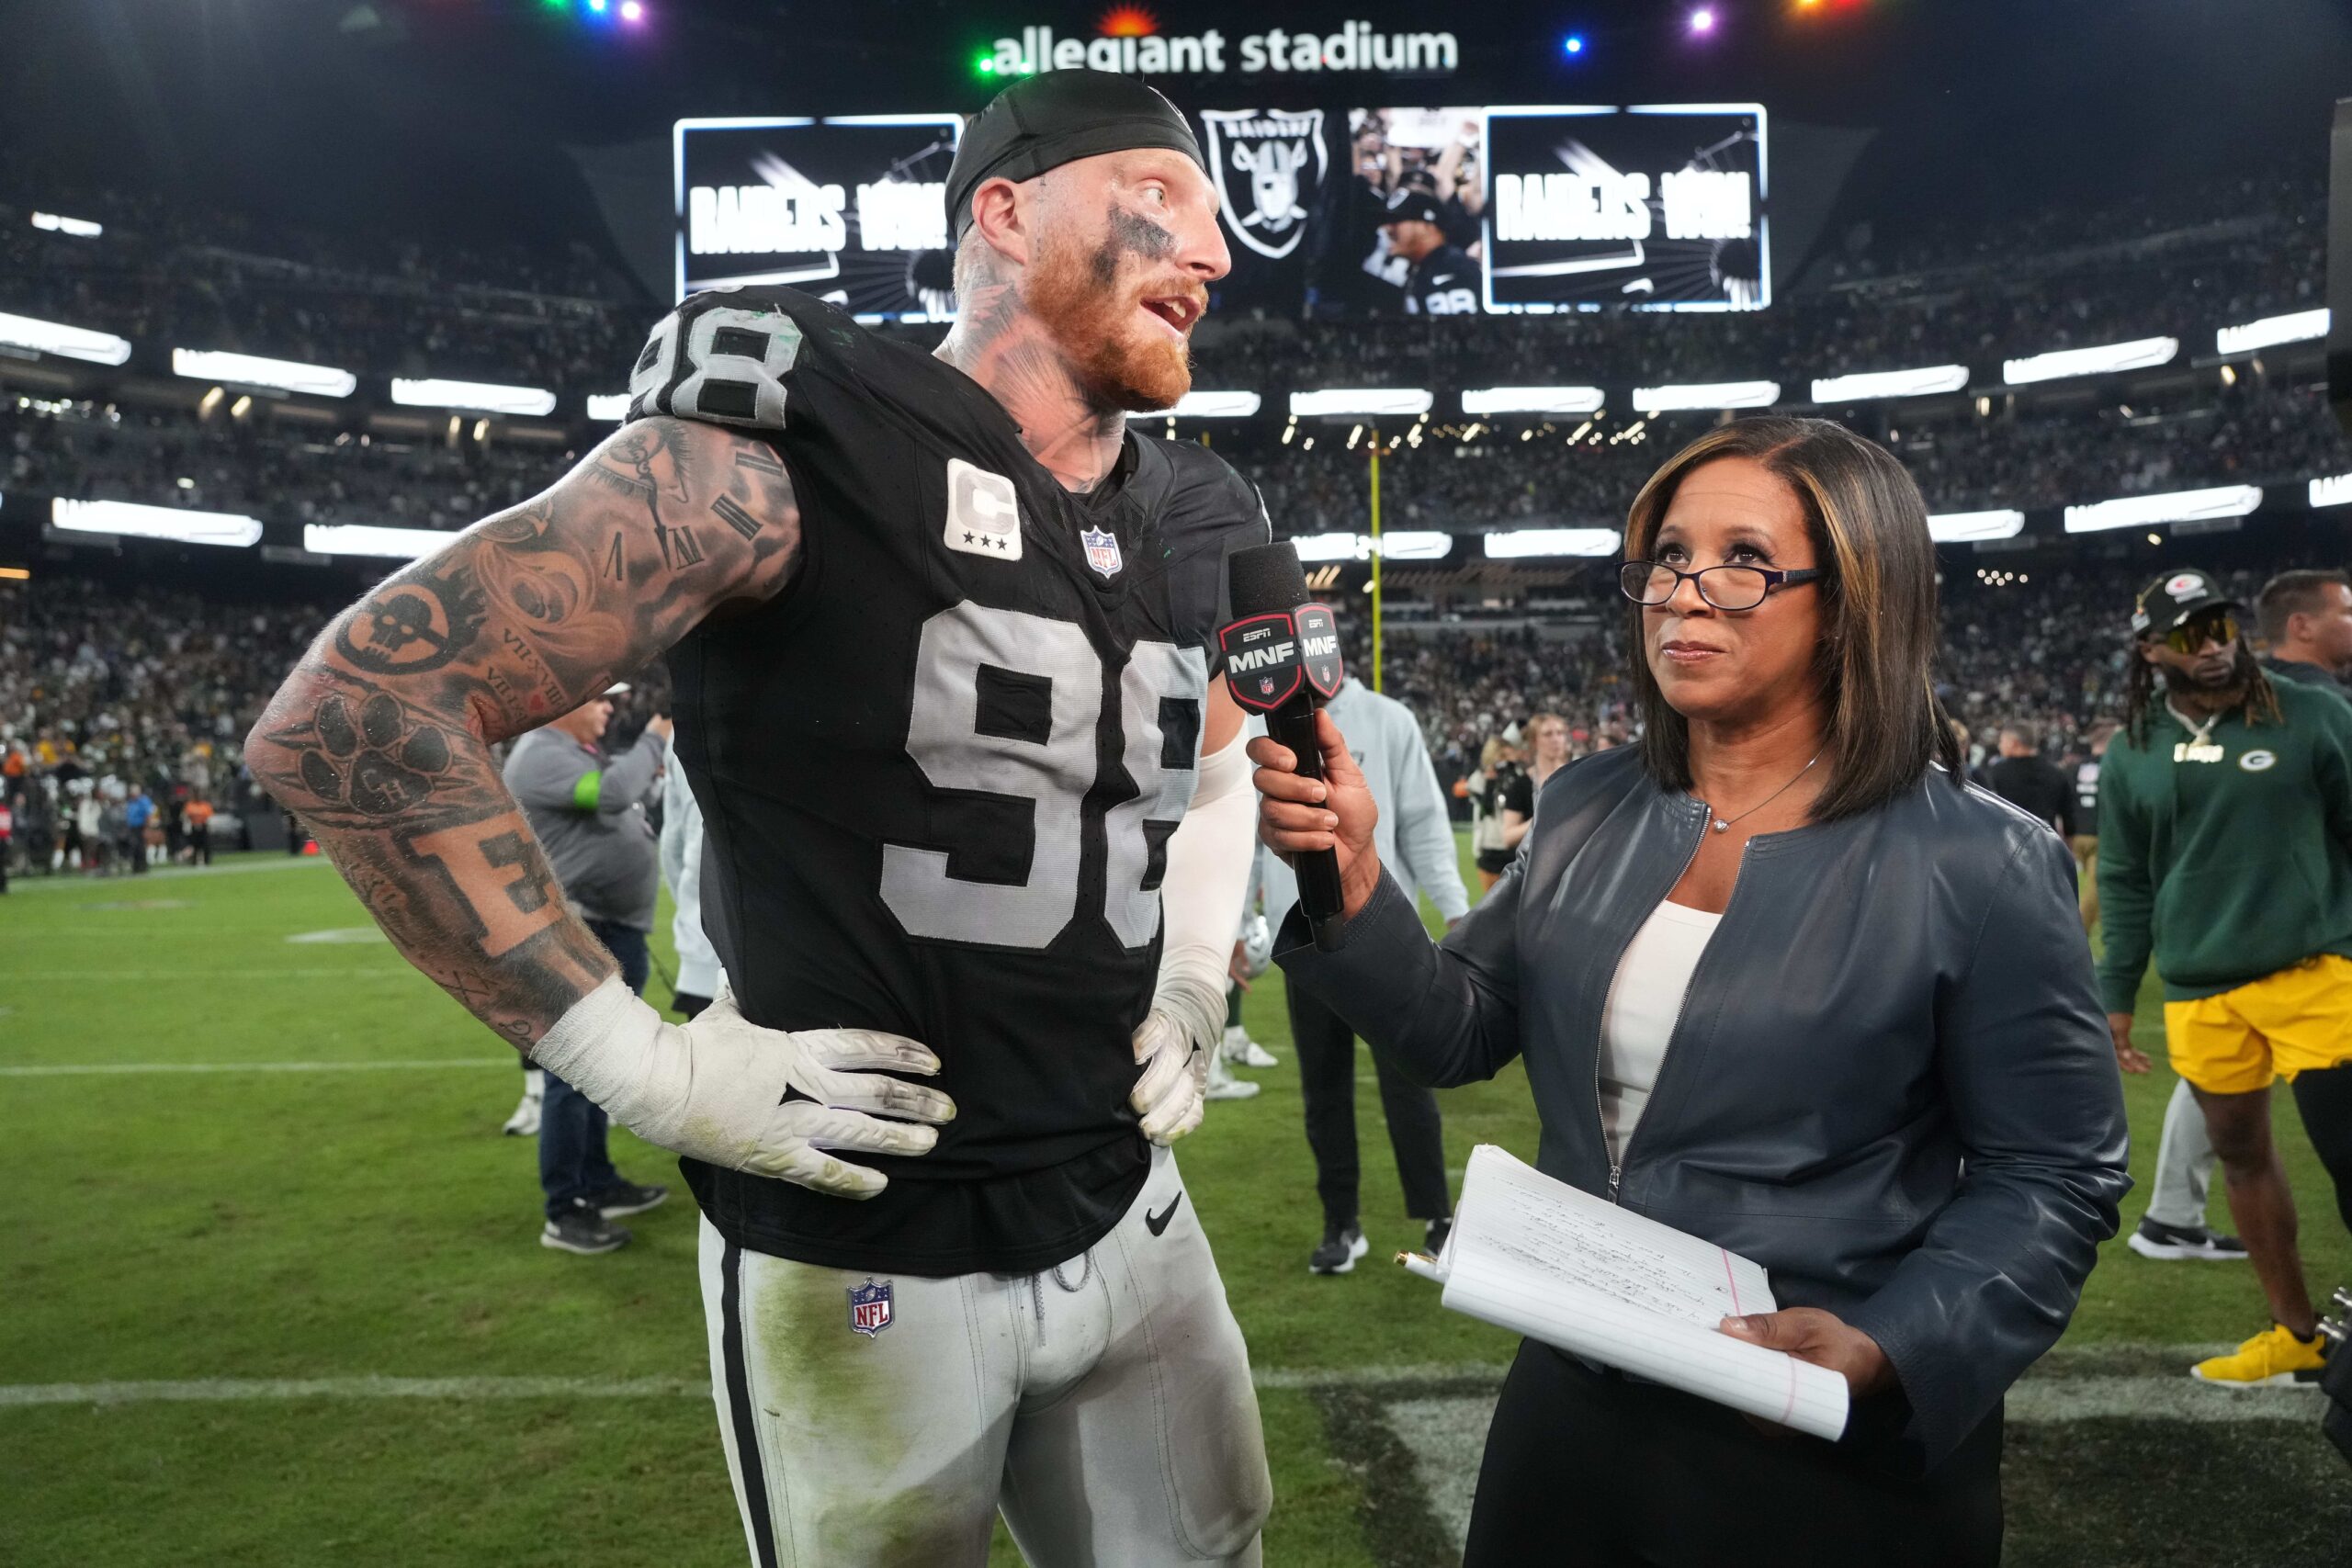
<point x="1722" y="826"/>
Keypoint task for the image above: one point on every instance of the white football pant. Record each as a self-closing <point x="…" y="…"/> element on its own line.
<point x="1103" y="1404"/>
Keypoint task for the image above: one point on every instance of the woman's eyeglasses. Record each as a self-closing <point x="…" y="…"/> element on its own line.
<point x="1725" y="587"/>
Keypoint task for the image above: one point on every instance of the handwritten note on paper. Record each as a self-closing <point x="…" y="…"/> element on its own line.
<point x="1541" y="1258"/>
<point x="1559" y="1231"/>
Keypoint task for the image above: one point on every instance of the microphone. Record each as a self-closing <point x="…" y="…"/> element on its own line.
<point x="1281" y="659"/>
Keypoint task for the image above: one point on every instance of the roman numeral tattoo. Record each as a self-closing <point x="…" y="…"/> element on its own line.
<point x="731" y="511"/>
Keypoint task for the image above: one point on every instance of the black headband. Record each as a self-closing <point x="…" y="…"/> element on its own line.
<point x="1045" y="122"/>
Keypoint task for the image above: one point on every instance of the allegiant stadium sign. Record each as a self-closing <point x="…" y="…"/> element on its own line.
<point x="1356" y="47"/>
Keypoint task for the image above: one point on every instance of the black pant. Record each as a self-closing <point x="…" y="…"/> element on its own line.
<point x="200" y="845"/>
<point x="1592" y="1470"/>
<point x="2324" y="1100"/>
<point x="1326" y="1081"/>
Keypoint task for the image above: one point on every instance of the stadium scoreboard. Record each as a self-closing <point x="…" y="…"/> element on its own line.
<point x="1559" y="207"/>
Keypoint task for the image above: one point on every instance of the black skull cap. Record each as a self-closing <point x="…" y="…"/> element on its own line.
<point x="1042" y="122"/>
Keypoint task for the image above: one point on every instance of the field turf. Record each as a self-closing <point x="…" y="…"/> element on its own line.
<point x="294" y="1316"/>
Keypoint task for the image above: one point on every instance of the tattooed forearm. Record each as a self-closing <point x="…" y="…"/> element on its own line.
<point x="380" y="739"/>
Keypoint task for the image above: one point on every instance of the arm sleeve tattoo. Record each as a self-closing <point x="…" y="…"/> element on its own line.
<point x="380" y="741"/>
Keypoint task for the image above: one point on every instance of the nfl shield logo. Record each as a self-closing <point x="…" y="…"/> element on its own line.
<point x="869" y="1308"/>
<point x="1101" y="551"/>
<point x="1265" y="685"/>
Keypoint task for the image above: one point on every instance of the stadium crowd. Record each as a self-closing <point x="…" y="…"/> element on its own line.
<point x="155" y="687"/>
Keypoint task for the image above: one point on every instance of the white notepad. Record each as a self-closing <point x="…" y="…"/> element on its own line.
<point x="1542" y="1259"/>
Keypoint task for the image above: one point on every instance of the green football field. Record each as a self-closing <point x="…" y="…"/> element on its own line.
<point x="271" y="1294"/>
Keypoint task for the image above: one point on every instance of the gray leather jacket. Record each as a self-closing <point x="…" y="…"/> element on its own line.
<point x="1891" y="1083"/>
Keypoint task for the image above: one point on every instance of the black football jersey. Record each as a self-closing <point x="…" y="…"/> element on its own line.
<point x="1445" y="283"/>
<point x="939" y="771"/>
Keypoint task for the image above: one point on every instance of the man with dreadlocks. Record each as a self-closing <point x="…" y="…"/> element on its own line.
<point x="2226" y="845"/>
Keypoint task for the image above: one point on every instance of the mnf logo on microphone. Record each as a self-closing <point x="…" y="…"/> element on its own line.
<point x="1268" y="657"/>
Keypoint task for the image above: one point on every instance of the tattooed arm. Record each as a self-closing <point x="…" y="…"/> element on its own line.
<point x="381" y="738"/>
<point x="380" y="742"/>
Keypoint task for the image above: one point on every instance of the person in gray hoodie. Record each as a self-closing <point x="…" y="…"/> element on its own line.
<point x="588" y="810"/>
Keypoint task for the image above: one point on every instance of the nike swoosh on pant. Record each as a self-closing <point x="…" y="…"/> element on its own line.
<point x="1159" y="1222"/>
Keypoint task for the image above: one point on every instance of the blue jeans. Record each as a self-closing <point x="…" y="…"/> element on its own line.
<point x="574" y="1165"/>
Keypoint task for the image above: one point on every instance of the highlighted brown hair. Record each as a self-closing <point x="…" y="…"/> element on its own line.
<point x="1868" y="528"/>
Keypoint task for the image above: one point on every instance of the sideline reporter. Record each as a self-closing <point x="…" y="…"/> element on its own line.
<point x="1782" y="980"/>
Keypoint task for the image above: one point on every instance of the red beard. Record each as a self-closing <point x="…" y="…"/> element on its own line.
<point x="1117" y="359"/>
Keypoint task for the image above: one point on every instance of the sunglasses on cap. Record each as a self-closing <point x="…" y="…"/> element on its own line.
<point x="2206" y="625"/>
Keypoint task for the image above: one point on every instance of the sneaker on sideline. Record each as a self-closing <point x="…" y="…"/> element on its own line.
<point x="585" y="1231"/>
<point x="1342" y="1244"/>
<point x="525" y="1122"/>
<point x="1240" y="1050"/>
<point x="625" y="1197"/>
<point x="2166" y="1243"/>
<point x="1223" y="1084"/>
<point x="2272" y="1358"/>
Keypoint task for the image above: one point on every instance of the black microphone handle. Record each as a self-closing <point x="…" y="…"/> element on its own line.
<point x="1293" y="725"/>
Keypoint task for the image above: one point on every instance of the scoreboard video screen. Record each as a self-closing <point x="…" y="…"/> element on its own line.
<point x="1661" y="207"/>
<point x="1330" y="212"/>
<point x="849" y="207"/>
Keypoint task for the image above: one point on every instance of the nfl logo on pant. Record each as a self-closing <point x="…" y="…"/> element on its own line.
<point x="869" y="1308"/>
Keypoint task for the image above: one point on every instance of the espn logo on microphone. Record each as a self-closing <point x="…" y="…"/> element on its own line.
<point x="1268" y="657"/>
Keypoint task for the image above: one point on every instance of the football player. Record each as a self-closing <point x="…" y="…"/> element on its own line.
<point x="1444" y="280"/>
<point x="977" y="827"/>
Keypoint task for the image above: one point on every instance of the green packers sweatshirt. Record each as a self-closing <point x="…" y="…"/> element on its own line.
<point x="2230" y="860"/>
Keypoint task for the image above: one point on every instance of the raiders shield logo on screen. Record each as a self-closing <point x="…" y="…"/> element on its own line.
<point x="1268" y="166"/>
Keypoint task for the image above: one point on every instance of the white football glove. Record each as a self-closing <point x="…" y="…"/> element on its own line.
<point x="714" y="1089"/>
<point x="1172" y="1048"/>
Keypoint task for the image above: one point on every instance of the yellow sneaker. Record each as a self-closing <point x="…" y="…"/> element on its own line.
<point x="2272" y="1358"/>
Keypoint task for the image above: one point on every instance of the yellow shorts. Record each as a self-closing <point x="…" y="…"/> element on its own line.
<point x="2277" y="1026"/>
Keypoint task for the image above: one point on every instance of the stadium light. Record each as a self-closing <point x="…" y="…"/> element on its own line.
<point x="1514" y="543"/>
<point x="1707" y="395"/>
<point x="2175" y="506"/>
<point x="486" y="396"/>
<point x="2272" y="331"/>
<point x="1342" y="401"/>
<point x="244" y="370"/>
<point x="1702" y="21"/>
<point x="365" y="539"/>
<point x="1920" y="383"/>
<point x="68" y="343"/>
<point x="2140" y="353"/>
<point x="1532" y="400"/>
<point x="1214" y="405"/>
<point x="611" y="407"/>
<point x="58" y="223"/>
<point x="228" y="528"/>
<point x="1572" y="44"/>
<point x="2334" y="491"/>
<point x="1960" y="527"/>
<point x="1405" y="543"/>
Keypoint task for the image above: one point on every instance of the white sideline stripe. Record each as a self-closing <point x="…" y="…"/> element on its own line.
<point x="2175" y="1396"/>
<point x="207" y="1390"/>
<point x="381" y="972"/>
<point x="69" y="1069"/>
<point x="164" y="873"/>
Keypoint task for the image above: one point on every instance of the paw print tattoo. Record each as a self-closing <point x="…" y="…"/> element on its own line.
<point x="373" y="758"/>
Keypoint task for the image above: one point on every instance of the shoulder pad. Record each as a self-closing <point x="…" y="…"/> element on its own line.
<point x="727" y="355"/>
<point x="1209" y="496"/>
